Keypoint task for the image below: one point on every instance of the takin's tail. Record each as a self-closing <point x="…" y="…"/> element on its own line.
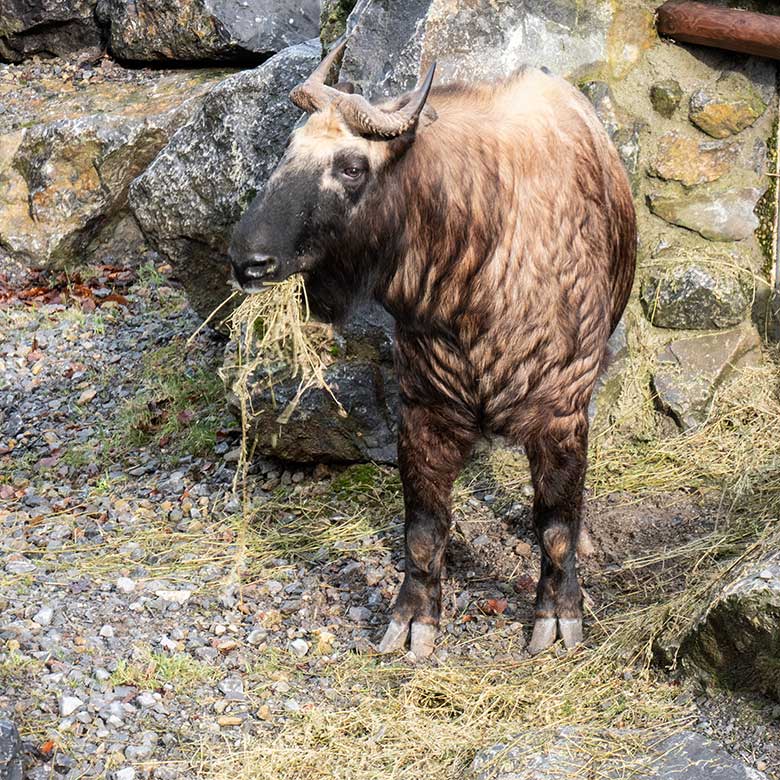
<point x="623" y="224"/>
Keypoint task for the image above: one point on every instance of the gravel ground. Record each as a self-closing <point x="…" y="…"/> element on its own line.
<point x="125" y="636"/>
<point x="142" y="618"/>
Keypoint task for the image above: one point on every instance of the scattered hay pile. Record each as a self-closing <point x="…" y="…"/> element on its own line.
<point x="272" y="332"/>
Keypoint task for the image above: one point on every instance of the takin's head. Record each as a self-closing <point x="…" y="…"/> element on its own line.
<point x="315" y="202"/>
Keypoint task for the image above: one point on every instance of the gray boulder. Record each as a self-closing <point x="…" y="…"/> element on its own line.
<point x="206" y="30"/>
<point x="363" y="381"/>
<point x="189" y="198"/>
<point x="690" y="370"/>
<point x="50" y="28"/>
<point x="693" y="297"/>
<point x="10" y="752"/>
<point x="66" y="176"/>
<point x="684" y="756"/>
<point x="470" y="40"/>
<point x="722" y="215"/>
<point x="737" y="639"/>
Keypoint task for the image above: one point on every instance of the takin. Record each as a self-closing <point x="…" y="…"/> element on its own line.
<point x="494" y="222"/>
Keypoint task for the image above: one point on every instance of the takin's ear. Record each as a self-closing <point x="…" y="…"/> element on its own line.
<point x="348" y="87"/>
<point x="427" y="116"/>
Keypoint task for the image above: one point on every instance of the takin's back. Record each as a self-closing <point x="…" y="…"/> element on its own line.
<point x="521" y="239"/>
<point x="528" y="167"/>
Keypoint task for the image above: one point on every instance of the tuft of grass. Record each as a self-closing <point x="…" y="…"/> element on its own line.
<point x="153" y="670"/>
<point x="14" y="664"/>
<point x="180" y="407"/>
<point x="149" y="276"/>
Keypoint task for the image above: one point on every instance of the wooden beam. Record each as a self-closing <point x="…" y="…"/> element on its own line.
<point x="725" y="28"/>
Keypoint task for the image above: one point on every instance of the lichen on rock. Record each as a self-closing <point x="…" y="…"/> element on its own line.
<point x="732" y="106"/>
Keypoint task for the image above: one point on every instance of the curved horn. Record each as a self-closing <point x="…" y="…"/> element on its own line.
<point x="363" y="117"/>
<point x="313" y="94"/>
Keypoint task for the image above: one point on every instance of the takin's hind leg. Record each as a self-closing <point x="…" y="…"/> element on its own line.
<point x="558" y="464"/>
<point x="431" y="452"/>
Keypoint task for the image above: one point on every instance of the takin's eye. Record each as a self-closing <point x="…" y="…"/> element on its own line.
<point x="350" y="167"/>
<point x="352" y="172"/>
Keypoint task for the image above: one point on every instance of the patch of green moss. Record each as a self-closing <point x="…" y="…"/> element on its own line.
<point x="358" y="479"/>
<point x="333" y="19"/>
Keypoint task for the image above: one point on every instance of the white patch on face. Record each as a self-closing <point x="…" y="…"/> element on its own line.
<point x="329" y="182"/>
<point x="325" y="134"/>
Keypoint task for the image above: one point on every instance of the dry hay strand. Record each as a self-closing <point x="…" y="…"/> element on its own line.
<point x="395" y="722"/>
<point x="733" y="460"/>
<point x="387" y="721"/>
<point x="735" y="451"/>
<point x="274" y="338"/>
<point x="273" y="333"/>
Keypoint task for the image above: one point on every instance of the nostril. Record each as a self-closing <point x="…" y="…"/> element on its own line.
<point x="259" y="266"/>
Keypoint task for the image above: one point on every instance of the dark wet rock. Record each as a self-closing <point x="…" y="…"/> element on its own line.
<point x="10" y="751"/>
<point x="386" y="48"/>
<point x="67" y="176"/>
<point x="189" y="198"/>
<point x="693" y="297"/>
<point x="665" y="97"/>
<point x="51" y="28"/>
<point x="690" y="370"/>
<point x="206" y="30"/>
<point x="622" y="128"/>
<point x="687" y="756"/>
<point x="363" y="381"/>
<point x="728" y="109"/>
<point x="737" y="639"/>
<point x="689" y="161"/>
<point x="718" y="215"/>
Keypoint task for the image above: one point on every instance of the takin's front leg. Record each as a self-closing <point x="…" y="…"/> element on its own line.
<point x="558" y="460"/>
<point x="431" y="453"/>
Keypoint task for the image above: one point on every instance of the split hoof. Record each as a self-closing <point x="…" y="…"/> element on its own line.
<point x="423" y="639"/>
<point x="544" y="635"/>
<point x="570" y="630"/>
<point x="394" y="638"/>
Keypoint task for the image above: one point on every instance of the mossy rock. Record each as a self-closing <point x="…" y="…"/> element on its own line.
<point x="737" y="640"/>
<point x="665" y="97"/>
<point x="693" y="297"/>
<point x="333" y="19"/>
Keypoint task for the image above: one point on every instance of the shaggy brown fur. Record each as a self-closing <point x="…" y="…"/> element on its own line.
<point x="501" y="236"/>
